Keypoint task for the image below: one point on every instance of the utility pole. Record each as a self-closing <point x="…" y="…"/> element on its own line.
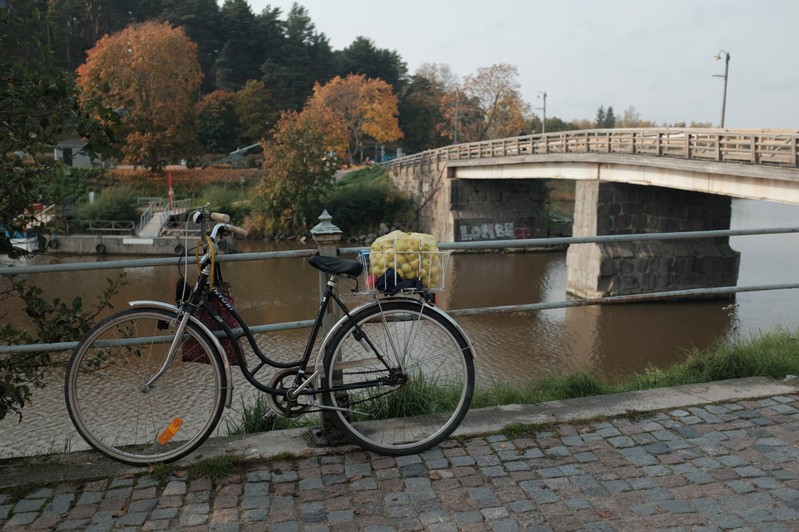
<point x="457" y="110"/>
<point x="726" y="56"/>
<point x="544" y="108"/>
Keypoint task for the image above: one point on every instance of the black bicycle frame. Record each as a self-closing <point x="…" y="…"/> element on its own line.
<point x="300" y="364"/>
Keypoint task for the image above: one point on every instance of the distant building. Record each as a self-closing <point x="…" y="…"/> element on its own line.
<point x="70" y="152"/>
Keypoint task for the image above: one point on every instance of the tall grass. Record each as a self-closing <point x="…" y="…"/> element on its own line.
<point x="418" y="397"/>
<point x="258" y="417"/>
<point x="773" y="354"/>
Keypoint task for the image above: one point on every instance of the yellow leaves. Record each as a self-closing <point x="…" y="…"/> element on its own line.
<point x="151" y="70"/>
<point x="366" y="107"/>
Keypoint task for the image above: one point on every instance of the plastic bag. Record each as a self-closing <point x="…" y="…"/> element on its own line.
<point x="412" y="259"/>
<point x="191" y="350"/>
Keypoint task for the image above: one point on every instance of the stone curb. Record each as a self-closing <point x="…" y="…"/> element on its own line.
<point x="86" y="465"/>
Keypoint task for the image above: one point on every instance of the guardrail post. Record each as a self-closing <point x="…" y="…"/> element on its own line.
<point x="327" y="236"/>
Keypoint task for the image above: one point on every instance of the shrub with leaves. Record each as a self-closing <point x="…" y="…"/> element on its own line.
<point x="52" y="322"/>
<point x="299" y="164"/>
<point x="365" y="198"/>
<point x="115" y="203"/>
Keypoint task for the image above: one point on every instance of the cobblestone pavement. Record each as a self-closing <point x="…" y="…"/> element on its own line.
<point x="729" y="466"/>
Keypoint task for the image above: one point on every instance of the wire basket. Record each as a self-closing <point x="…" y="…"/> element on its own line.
<point x="397" y="272"/>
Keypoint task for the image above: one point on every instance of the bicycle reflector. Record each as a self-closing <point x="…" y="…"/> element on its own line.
<point x="170" y="431"/>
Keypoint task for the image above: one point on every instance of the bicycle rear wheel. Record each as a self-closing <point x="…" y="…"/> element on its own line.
<point x="119" y="414"/>
<point x="420" y="398"/>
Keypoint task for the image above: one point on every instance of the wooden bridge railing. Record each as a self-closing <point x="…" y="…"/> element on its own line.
<point x="766" y="147"/>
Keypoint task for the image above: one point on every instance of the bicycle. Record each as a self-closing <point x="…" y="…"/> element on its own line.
<point x="149" y="384"/>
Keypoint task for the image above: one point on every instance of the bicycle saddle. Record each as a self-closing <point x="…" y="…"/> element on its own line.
<point x="336" y="266"/>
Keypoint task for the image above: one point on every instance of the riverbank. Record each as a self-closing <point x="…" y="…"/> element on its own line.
<point x="720" y="455"/>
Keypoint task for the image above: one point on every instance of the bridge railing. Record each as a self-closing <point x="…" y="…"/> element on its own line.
<point x="767" y="147"/>
<point x="536" y="243"/>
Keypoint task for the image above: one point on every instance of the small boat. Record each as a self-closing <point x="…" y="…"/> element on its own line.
<point x="23" y="241"/>
<point x="26" y="243"/>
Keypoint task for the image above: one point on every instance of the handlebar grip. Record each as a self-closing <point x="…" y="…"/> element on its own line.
<point x="238" y="230"/>
<point x="219" y="217"/>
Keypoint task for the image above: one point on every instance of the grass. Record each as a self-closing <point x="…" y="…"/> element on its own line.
<point x="773" y="354"/>
<point x="215" y="469"/>
<point x="258" y="417"/>
<point x="418" y="397"/>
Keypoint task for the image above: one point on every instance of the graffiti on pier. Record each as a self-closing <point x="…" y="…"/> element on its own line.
<point x="478" y="230"/>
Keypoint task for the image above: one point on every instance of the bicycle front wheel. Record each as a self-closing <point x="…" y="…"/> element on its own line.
<point x="118" y="410"/>
<point x="401" y="377"/>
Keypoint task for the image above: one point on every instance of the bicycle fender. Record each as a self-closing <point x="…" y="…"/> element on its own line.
<point x="217" y="344"/>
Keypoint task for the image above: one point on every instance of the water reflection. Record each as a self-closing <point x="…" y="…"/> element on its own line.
<point x="609" y="340"/>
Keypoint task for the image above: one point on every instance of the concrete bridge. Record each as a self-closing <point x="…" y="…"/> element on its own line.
<point x="627" y="181"/>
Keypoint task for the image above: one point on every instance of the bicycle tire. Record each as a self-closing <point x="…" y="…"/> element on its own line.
<point x="438" y="378"/>
<point x="117" y="415"/>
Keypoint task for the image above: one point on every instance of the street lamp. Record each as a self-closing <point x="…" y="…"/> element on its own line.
<point x="718" y="57"/>
<point x="544" y="108"/>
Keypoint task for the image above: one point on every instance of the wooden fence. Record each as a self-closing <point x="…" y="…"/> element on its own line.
<point x="762" y="147"/>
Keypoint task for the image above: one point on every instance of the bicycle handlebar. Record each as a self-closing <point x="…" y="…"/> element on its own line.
<point x="238" y="230"/>
<point x="201" y="215"/>
<point x="219" y="217"/>
<point x="227" y="227"/>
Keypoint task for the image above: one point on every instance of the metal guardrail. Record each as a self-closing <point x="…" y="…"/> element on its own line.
<point x="163" y="215"/>
<point x="150" y="200"/>
<point x="146" y="216"/>
<point x="101" y="226"/>
<point x="535" y="243"/>
<point x="766" y="147"/>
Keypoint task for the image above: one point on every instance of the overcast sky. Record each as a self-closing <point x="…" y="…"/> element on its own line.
<point x="654" y="55"/>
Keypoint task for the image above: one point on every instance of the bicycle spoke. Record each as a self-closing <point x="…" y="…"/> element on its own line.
<point x="114" y="410"/>
<point x="416" y="402"/>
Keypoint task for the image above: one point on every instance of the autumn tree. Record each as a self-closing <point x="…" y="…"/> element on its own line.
<point x="216" y="116"/>
<point x="298" y="168"/>
<point x="631" y="118"/>
<point x="256" y="112"/>
<point x="367" y="108"/>
<point x="492" y="94"/>
<point x="151" y="71"/>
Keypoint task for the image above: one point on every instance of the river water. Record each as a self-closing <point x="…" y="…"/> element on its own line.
<point x="611" y="340"/>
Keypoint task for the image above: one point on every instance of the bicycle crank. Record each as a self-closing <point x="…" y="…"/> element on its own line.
<point x="280" y="403"/>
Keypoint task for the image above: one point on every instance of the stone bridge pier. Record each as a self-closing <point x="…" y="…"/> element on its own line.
<point x="624" y="268"/>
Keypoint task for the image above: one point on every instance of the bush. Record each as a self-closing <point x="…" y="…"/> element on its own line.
<point x="224" y="198"/>
<point x="365" y="198"/>
<point x="73" y="185"/>
<point x="114" y="203"/>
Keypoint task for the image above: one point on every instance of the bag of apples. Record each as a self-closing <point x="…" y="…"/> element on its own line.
<point x="406" y="261"/>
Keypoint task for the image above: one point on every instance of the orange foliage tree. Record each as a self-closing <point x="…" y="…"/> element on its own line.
<point x="366" y="107"/>
<point x="151" y="71"/>
<point x="299" y="164"/>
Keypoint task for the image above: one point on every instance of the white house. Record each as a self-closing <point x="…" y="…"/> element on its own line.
<point x="70" y="152"/>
